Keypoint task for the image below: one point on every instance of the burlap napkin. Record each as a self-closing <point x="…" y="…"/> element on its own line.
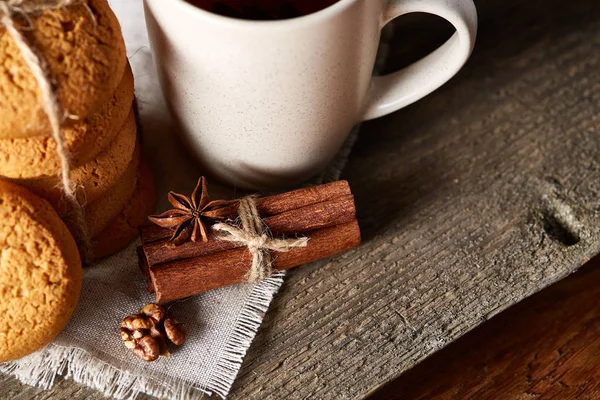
<point x="221" y="324"/>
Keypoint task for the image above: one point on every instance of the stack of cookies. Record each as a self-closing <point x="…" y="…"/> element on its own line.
<point x="84" y="54"/>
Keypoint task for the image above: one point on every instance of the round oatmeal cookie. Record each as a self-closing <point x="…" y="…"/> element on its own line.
<point x="40" y="272"/>
<point x="124" y="229"/>
<point x="93" y="178"/>
<point x="36" y="156"/>
<point x="83" y="49"/>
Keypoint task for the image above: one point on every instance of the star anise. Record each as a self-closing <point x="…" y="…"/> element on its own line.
<point x="189" y="215"/>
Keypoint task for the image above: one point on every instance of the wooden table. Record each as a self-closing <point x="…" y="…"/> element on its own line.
<point x="470" y="200"/>
<point x="547" y="346"/>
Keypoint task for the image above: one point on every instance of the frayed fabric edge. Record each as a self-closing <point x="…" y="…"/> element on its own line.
<point x="41" y="369"/>
<point x="247" y="324"/>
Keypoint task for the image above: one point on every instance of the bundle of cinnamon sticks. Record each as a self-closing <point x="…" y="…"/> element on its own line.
<point x="325" y="214"/>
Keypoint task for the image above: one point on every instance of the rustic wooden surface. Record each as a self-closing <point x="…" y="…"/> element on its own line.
<point x="470" y="200"/>
<point x="545" y="347"/>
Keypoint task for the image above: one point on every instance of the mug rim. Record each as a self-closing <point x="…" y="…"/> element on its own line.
<point x="316" y="16"/>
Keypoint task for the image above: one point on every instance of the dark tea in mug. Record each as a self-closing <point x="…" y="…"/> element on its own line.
<point x="262" y="10"/>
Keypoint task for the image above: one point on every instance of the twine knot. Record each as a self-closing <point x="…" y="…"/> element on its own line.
<point x="254" y="235"/>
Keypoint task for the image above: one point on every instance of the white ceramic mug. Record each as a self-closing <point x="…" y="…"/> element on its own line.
<point x="266" y="104"/>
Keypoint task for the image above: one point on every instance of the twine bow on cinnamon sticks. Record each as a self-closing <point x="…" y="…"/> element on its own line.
<point x="253" y="235"/>
<point x="247" y="239"/>
<point x="50" y="103"/>
<point x="189" y="216"/>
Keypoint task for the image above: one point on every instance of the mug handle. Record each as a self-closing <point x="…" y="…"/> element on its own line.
<point x="391" y="92"/>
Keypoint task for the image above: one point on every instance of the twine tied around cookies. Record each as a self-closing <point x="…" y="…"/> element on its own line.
<point x="254" y="234"/>
<point x="50" y="102"/>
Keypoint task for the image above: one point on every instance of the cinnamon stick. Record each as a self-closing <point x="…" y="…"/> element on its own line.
<point x="296" y="221"/>
<point x="267" y="206"/>
<point x="179" y="279"/>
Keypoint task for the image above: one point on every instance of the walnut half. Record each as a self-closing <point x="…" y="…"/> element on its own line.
<point x="175" y="331"/>
<point x="148" y="332"/>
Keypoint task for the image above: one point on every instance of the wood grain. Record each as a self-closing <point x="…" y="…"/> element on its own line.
<point x="545" y="347"/>
<point x="470" y="200"/>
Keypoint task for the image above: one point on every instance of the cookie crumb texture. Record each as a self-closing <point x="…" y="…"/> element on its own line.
<point x="40" y="273"/>
<point x="85" y="54"/>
